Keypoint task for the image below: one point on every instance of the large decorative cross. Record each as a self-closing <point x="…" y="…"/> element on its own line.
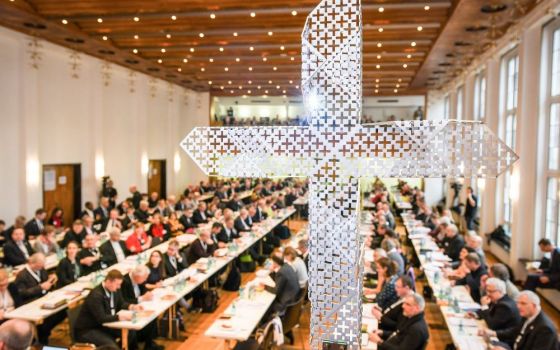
<point x="334" y="151"/>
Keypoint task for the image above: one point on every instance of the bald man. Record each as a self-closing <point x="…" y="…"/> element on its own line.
<point x="15" y="335"/>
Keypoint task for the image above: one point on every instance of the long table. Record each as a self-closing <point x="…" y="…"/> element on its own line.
<point x="177" y="287"/>
<point x="454" y="301"/>
<point x="36" y="313"/>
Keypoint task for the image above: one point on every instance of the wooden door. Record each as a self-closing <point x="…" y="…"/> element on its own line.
<point x="157" y="177"/>
<point x="62" y="188"/>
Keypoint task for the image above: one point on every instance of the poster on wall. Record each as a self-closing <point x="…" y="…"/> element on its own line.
<point x="49" y="180"/>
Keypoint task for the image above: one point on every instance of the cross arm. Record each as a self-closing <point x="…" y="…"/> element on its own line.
<point x="428" y="149"/>
<point x="253" y="151"/>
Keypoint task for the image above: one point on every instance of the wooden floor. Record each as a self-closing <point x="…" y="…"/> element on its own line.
<point x="196" y="324"/>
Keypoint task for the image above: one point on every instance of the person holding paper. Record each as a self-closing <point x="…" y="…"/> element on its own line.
<point x="473" y="279"/>
<point x="32" y="283"/>
<point x="105" y="303"/>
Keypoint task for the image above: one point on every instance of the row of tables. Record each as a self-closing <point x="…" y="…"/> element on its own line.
<point x="454" y="301"/>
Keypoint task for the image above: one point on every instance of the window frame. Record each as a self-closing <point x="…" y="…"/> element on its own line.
<point x="551" y="31"/>
<point x="509" y="97"/>
<point x="460" y="102"/>
<point x="479" y="102"/>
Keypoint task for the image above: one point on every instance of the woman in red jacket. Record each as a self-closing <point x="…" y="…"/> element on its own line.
<point x="138" y="241"/>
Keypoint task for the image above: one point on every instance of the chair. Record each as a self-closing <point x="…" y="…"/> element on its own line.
<point x="291" y="318"/>
<point x="252" y="343"/>
<point x="72" y="313"/>
<point x="83" y="346"/>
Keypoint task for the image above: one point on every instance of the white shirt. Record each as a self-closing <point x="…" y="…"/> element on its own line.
<point x="301" y="271"/>
<point x="118" y="251"/>
<point x="6" y="301"/>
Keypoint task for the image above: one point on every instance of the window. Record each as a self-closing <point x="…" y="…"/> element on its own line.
<point x="480" y="96"/>
<point x="446" y="107"/>
<point x="508" y="121"/>
<point x="460" y="103"/>
<point x="551" y="139"/>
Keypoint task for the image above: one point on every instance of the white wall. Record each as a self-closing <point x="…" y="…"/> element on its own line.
<point x="526" y="36"/>
<point x="49" y="117"/>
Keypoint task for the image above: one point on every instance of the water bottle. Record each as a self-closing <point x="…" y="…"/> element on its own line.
<point x="234" y="308"/>
<point x="134" y="317"/>
<point x="241" y="292"/>
<point x="461" y="328"/>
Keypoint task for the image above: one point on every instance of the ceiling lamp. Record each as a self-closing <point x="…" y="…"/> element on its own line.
<point x="64" y="21"/>
<point x="294" y="13"/>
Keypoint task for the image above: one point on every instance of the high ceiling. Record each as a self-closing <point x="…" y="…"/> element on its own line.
<point x="241" y="47"/>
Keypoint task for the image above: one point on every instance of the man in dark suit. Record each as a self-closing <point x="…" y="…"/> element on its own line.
<point x="102" y="305"/>
<point x="498" y="309"/>
<point x="17" y="250"/>
<point x="287" y="286"/>
<point x="229" y="233"/>
<point x="453" y="242"/>
<point x="200" y="216"/>
<point x="390" y="317"/>
<point x="32" y="283"/>
<point x="187" y="220"/>
<point x="259" y="214"/>
<point x="134" y="291"/>
<point x="243" y="222"/>
<point x="88" y="210"/>
<point x="203" y="247"/>
<point x="535" y="332"/>
<point x="18" y="223"/>
<point x="34" y="227"/>
<point x="77" y="234"/>
<point x="142" y="214"/>
<point x="412" y="330"/>
<point x="136" y="196"/>
<point x="172" y="259"/>
<point x="548" y="275"/>
<point x="472" y="279"/>
<point x="235" y="203"/>
<point x="112" y="221"/>
<point x="113" y="250"/>
<point x="222" y="193"/>
<point x="89" y="257"/>
<point x="102" y="212"/>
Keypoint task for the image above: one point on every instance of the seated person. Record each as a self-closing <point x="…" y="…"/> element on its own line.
<point x="76" y="234"/>
<point x="453" y="242"/>
<point x="412" y="330"/>
<point x="32" y="283"/>
<point x="102" y="305"/>
<point x="303" y="251"/>
<point x="174" y="225"/>
<point x="243" y="222"/>
<point x="498" y="310"/>
<point x="258" y="210"/>
<point x="216" y="229"/>
<point x="16" y="334"/>
<point x="46" y="241"/>
<point x="17" y="250"/>
<point x="111" y="222"/>
<point x="228" y="233"/>
<point x="157" y="270"/>
<point x="69" y="268"/>
<point x="389" y="318"/>
<point x="548" y="274"/>
<point x="9" y="297"/>
<point x="474" y="241"/>
<point x="134" y="291"/>
<point x="138" y="241"/>
<point x="142" y="214"/>
<point x="34" y="226"/>
<point x="501" y="272"/>
<point x="128" y="218"/>
<point x="187" y="220"/>
<point x="536" y="331"/>
<point x="235" y="203"/>
<point x="201" y="216"/>
<point x="158" y="230"/>
<point x="473" y="279"/>
<point x="203" y="247"/>
<point x="386" y="279"/>
<point x="89" y="257"/>
<point x="173" y="260"/>
<point x="287" y="286"/>
<point x="390" y="245"/>
<point x="291" y="258"/>
<point x="114" y="249"/>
